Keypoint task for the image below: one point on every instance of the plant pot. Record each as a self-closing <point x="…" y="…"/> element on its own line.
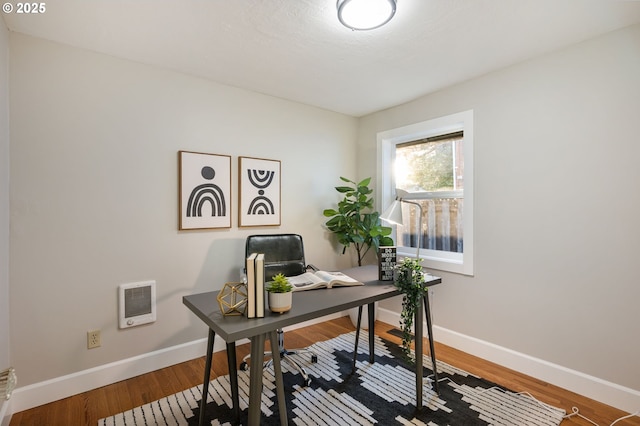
<point x="280" y="302"/>
<point x="353" y="315"/>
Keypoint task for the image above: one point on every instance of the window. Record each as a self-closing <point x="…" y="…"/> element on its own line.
<point x="432" y="171"/>
<point x="432" y="162"/>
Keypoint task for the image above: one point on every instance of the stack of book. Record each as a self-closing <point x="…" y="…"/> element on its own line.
<point x="255" y="285"/>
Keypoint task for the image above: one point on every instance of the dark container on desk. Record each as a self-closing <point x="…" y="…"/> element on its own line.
<point x="386" y="262"/>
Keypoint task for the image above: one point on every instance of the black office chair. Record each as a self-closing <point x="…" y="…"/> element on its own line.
<point x="283" y="253"/>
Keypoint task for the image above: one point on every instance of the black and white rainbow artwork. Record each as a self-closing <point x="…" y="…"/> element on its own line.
<point x="205" y="190"/>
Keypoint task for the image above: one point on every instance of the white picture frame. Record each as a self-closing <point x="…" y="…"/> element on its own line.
<point x="205" y="190"/>
<point x="259" y="189"/>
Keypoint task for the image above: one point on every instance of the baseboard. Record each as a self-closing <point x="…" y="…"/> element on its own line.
<point x="57" y="388"/>
<point x="5" y="413"/>
<point x="592" y="387"/>
<point x="26" y="397"/>
<point x="609" y="393"/>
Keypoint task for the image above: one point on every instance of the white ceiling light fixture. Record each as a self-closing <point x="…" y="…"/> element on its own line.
<point x="365" y="14"/>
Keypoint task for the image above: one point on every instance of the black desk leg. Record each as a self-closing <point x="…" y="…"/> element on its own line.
<point x="355" y="349"/>
<point x="233" y="380"/>
<point x="277" y="371"/>
<point x="207" y="376"/>
<point x="372" y="332"/>
<point x="431" y="345"/>
<point x="255" y="379"/>
<point x="418" y="354"/>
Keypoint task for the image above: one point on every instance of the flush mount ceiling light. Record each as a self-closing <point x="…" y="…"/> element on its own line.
<point x="365" y="14"/>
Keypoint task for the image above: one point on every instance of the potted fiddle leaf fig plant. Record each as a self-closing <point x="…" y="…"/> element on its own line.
<point x="355" y="222"/>
<point x="280" y="294"/>
<point x="410" y="282"/>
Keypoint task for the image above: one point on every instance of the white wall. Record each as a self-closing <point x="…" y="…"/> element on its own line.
<point x="556" y="206"/>
<point x="94" y="187"/>
<point x="4" y="196"/>
<point x="4" y="202"/>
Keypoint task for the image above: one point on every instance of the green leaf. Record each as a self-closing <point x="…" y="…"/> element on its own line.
<point x="364" y="190"/>
<point x="386" y="241"/>
<point x="357" y="238"/>
<point x="333" y="221"/>
<point x="365" y="182"/>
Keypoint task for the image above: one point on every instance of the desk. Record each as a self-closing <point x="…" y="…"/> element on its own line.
<point x="307" y="305"/>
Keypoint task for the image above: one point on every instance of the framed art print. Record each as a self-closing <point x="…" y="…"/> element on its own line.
<point x="205" y="190"/>
<point x="259" y="192"/>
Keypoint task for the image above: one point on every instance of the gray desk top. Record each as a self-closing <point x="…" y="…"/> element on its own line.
<point x="307" y="305"/>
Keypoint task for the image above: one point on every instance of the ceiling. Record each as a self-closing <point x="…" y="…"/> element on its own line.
<point x="297" y="49"/>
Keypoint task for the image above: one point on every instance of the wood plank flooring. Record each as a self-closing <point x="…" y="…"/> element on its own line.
<point x="86" y="408"/>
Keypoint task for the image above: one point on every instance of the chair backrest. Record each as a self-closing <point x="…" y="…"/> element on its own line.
<point x="283" y="253"/>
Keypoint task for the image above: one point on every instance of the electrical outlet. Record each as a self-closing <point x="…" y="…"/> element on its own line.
<point x="93" y="339"/>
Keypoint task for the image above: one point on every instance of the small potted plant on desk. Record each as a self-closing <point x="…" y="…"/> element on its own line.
<point x="410" y="282"/>
<point x="280" y="294"/>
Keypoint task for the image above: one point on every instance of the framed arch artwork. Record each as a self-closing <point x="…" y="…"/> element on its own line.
<point x="205" y="190"/>
<point x="259" y="192"/>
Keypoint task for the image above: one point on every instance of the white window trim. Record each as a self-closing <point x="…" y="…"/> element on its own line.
<point x="461" y="263"/>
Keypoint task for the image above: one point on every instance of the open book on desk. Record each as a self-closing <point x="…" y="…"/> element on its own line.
<point x="321" y="279"/>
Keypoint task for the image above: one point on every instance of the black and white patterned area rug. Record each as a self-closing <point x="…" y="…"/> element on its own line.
<point x="382" y="393"/>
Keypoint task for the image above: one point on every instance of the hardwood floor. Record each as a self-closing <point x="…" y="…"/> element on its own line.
<point x="86" y="408"/>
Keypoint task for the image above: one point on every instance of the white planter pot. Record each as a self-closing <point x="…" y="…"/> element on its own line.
<point x="280" y="302"/>
<point x="353" y="314"/>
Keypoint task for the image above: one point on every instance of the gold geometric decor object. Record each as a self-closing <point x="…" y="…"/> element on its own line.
<point x="8" y="380"/>
<point x="233" y="299"/>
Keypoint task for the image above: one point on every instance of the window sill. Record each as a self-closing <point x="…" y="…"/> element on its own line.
<point x="449" y="262"/>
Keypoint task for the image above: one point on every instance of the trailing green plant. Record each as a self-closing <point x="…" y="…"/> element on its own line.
<point x="280" y="284"/>
<point x="410" y="282"/>
<point x="355" y="222"/>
